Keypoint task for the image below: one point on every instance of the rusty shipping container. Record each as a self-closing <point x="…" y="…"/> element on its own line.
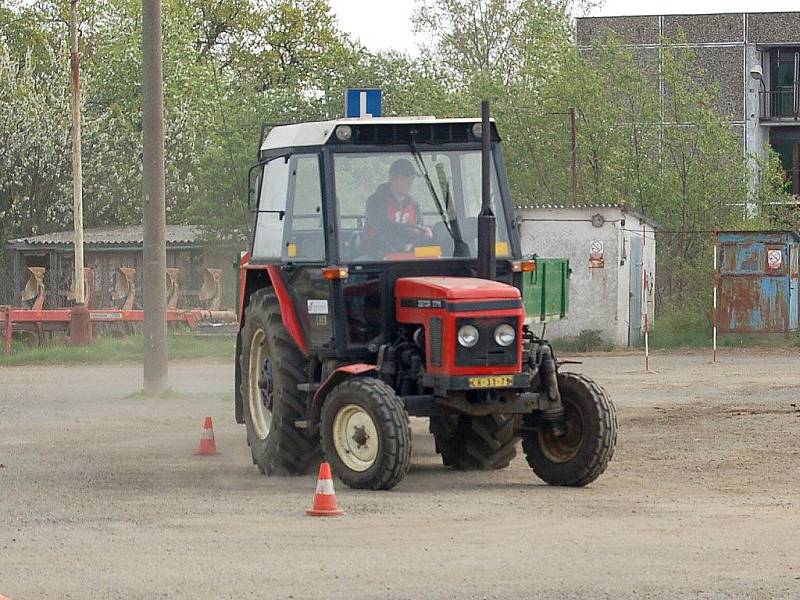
<point x="757" y="281"/>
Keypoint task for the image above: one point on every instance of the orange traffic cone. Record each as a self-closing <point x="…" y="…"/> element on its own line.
<point x="207" y="445"/>
<point x="325" y="497"/>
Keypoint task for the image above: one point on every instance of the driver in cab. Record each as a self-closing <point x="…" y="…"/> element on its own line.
<point x="394" y="221"/>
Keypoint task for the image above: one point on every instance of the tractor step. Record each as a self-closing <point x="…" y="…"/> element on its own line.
<point x="301" y="424"/>
<point x="307" y="387"/>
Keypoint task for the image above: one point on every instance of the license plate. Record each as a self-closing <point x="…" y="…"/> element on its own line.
<point x="491" y="381"/>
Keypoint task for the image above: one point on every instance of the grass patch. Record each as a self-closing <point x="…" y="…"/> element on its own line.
<point x="680" y="331"/>
<point x="112" y="350"/>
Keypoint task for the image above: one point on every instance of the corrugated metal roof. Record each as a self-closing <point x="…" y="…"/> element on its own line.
<point x="111" y="236"/>
<point x="621" y="207"/>
<point x="545" y="206"/>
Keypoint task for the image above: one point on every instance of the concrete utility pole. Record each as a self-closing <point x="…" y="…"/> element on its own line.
<point x="155" y="256"/>
<point x="80" y="323"/>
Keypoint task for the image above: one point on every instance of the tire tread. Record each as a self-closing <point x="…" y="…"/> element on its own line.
<point x="290" y="452"/>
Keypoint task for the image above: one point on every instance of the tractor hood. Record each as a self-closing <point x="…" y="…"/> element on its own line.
<point x="441" y="292"/>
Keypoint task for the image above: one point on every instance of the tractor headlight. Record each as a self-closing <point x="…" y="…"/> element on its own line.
<point x="468" y="336"/>
<point x="504" y="335"/>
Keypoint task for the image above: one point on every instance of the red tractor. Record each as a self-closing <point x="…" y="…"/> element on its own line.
<point x="383" y="281"/>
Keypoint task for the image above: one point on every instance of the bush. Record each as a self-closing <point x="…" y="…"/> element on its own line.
<point x="681" y="329"/>
<point x="588" y="340"/>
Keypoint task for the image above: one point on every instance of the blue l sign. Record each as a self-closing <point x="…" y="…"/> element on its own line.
<point x="362" y="102"/>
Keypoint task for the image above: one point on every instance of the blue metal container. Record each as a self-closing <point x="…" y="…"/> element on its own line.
<point x="757" y="281"/>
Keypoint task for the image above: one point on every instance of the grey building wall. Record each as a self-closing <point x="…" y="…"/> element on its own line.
<point x="725" y="46"/>
<point x="600" y="298"/>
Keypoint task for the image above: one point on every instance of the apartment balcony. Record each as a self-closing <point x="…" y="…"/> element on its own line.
<point x="780" y="106"/>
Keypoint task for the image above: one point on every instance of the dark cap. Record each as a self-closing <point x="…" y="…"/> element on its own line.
<point x="402" y="167"/>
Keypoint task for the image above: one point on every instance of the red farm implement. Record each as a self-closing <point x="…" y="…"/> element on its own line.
<point x="48" y="320"/>
<point x="36" y="321"/>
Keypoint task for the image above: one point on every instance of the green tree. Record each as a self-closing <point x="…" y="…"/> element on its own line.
<point x="35" y="148"/>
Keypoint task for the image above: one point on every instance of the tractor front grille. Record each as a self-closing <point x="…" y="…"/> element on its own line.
<point x="435" y="341"/>
<point x="487" y="353"/>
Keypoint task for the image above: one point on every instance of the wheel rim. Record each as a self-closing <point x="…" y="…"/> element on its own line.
<point x="565" y="448"/>
<point x="260" y="386"/>
<point x="355" y="437"/>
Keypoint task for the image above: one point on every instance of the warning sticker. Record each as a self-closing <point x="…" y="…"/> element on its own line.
<point x="774" y="260"/>
<point x="317" y="307"/>
<point x="596" y="256"/>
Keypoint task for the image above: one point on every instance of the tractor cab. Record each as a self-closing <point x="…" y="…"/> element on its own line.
<point x="377" y="199"/>
<point x="384" y="280"/>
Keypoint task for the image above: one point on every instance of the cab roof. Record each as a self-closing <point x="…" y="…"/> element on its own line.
<point x="319" y="132"/>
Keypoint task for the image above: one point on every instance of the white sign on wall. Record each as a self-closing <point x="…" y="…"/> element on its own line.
<point x="774" y="260"/>
<point x="596" y="255"/>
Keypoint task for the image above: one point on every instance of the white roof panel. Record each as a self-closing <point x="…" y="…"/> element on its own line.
<point x="318" y="132"/>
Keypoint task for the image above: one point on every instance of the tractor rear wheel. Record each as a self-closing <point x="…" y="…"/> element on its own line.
<point x="272" y="366"/>
<point x="475" y="443"/>
<point x="365" y="434"/>
<point x="582" y="454"/>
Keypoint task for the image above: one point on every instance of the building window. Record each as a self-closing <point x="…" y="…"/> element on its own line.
<point x="783" y="94"/>
<point x="789" y="153"/>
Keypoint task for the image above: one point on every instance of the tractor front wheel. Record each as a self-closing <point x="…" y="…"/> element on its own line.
<point x="582" y="454"/>
<point x="365" y="434"/>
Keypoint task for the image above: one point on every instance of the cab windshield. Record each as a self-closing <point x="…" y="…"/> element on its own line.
<point x="413" y="205"/>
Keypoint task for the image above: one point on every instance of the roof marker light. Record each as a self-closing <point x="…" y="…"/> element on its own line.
<point x="344" y="133"/>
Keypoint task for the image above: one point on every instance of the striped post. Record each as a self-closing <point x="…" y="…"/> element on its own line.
<point x="715" y="240"/>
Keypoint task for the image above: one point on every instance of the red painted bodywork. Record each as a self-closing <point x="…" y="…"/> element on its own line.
<point x="244" y="264"/>
<point x="450" y="292"/>
<point x="288" y="312"/>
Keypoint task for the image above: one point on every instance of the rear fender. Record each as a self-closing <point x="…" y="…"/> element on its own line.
<point x="253" y="278"/>
<point x="339" y="375"/>
<point x="258" y="276"/>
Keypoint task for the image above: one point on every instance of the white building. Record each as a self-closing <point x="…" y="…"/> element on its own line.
<point x="612" y="256"/>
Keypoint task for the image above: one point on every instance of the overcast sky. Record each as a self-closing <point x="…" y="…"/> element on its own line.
<point x="386" y="25"/>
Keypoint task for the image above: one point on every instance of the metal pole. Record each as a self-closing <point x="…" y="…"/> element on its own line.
<point x="155" y="259"/>
<point x="645" y="288"/>
<point x="574" y="138"/>
<point x="77" y="167"/>
<point x="487" y="267"/>
<point x="9" y="332"/>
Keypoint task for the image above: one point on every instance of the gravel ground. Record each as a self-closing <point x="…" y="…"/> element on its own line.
<point x="101" y="497"/>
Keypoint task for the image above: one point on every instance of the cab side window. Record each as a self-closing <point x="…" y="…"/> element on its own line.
<point x="268" y="239"/>
<point x="305" y="235"/>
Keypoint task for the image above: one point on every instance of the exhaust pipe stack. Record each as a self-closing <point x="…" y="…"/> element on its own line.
<point x="487" y="264"/>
